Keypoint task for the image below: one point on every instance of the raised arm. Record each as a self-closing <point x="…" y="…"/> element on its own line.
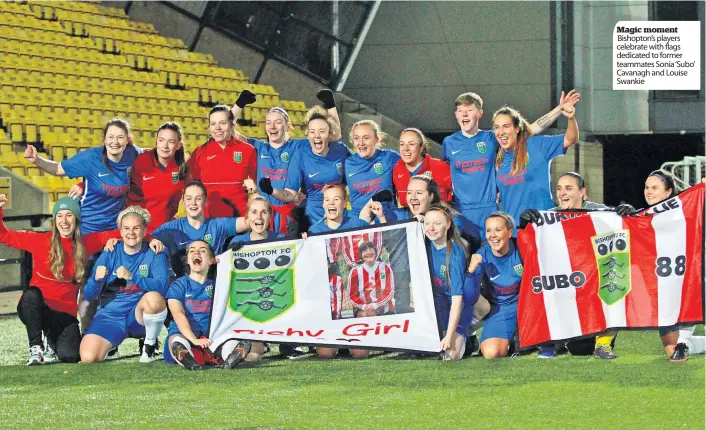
<point x="328" y="101"/>
<point x="245" y="98"/>
<point x="546" y="120"/>
<point x="22" y="240"/>
<point x="49" y="166"/>
<point x="572" y="129"/>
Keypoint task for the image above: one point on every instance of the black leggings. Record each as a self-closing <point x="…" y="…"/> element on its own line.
<point x="60" y="328"/>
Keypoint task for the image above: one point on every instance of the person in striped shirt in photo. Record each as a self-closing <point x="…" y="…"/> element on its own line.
<point x="371" y="285"/>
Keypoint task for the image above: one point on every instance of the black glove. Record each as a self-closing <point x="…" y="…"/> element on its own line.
<point x="266" y="186"/>
<point x="245" y="98"/>
<point x="326" y="97"/>
<point x="625" y="210"/>
<point x="383" y="196"/>
<point x="528" y="217"/>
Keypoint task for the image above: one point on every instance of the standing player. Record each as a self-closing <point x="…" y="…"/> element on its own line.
<point x="106" y="173"/>
<point x="223" y="164"/>
<point x="131" y="283"/>
<point x="176" y="234"/>
<point x="158" y="176"/>
<point x="499" y="259"/>
<point x="275" y="154"/>
<point x="522" y="164"/>
<point x="190" y="299"/>
<point x="571" y="194"/>
<point x="257" y="216"/>
<point x="455" y="290"/>
<point x="416" y="161"/>
<point x="471" y="152"/>
<point x="314" y="167"/>
<point x="369" y="170"/>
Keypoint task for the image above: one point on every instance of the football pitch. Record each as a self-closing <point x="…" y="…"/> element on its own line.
<point x="639" y="390"/>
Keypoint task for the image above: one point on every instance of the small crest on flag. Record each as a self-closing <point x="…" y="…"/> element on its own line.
<point x="518" y="269"/>
<point x="208" y="239"/>
<point x="175" y="177"/>
<point x="209" y="290"/>
<point x="612" y="252"/>
<point x="144" y="271"/>
<point x="284" y="156"/>
<point x="339" y="168"/>
<point x="378" y="168"/>
<point x="481" y="147"/>
<point x="238" y="156"/>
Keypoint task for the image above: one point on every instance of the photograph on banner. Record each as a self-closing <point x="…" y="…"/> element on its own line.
<point x="368" y="288"/>
<point x="369" y="274"/>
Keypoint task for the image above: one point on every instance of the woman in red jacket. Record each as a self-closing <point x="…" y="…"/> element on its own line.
<point x="416" y="161"/>
<point x="59" y="267"/>
<point x="158" y="176"/>
<point x="223" y="164"/>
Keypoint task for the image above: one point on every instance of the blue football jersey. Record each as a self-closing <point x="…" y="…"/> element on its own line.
<point x="273" y="163"/>
<point x="461" y="282"/>
<point x="104" y="187"/>
<point x="504" y="273"/>
<point x="196" y="300"/>
<point x="245" y="237"/>
<point x="472" y="161"/>
<point x="348" y="222"/>
<point x="176" y="235"/>
<point x="368" y="176"/>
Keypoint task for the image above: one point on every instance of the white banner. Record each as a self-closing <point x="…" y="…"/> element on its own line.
<point x="366" y="288"/>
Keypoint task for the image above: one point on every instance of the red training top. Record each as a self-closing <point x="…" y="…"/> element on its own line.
<point x="432" y="167"/>
<point x="223" y="170"/>
<point x="155" y="188"/>
<point x="60" y="295"/>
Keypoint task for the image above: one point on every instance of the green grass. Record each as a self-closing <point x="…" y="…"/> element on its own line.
<point x="639" y="390"/>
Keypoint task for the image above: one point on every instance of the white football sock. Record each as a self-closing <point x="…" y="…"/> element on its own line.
<point x="153" y="325"/>
<point x="696" y="344"/>
<point x="685" y="333"/>
<point x="228" y="347"/>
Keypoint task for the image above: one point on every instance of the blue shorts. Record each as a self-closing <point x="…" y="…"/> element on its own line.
<point x="478" y="215"/>
<point x="443" y="313"/>
<point x="668" y="329"/>
<point x="116" y="327"/>
<point x="501" y="323"/>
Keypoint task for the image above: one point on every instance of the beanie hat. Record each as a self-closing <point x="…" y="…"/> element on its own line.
<point x="67" y="203"/>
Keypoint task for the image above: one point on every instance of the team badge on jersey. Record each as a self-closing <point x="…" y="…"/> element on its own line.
<point x="209" y="290"/>
<point x="238" y="156"/>
<point x="339" y="168"/>
<point x="144" y="271"/>
<point x="175" y="177"/>
<point x="284" y="157"/>
<point x="208" y="239"/>
<point x="262" y="282"/>
<point x="612" y="252"/>
<point x="378" y="168"/>
<point x="442" y="270"/>
<point x="427" y="174"/>
<point x="518" y="269"/>
<point x="481" y="147"/>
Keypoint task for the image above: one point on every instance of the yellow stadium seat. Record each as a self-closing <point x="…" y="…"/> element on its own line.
<point x="41" y="182"/>
<point x="17" y="133"/>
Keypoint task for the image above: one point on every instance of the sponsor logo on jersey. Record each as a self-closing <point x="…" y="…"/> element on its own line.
<point x="481" y="147"/>
<point x="518" y="269"/>
<point x="612" y="252"/>
<point x="129" y="171"/>
<point x="284" y="157"/>
<point x="378" y="168"/>
<point x="143" y="270"/>
<point x="175" y="177"/>
<point x="339" y="168"/>
<point x="238" y="156"/>
<point x="208" y="239"/>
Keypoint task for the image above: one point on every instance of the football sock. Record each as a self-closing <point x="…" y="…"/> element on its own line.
<point x="153" y="325"/>
<point x="685" y="332"/>
<point x="228" y="347"/>
<point x="603" y="341"/>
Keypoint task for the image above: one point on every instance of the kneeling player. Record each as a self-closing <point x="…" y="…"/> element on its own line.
<point x="189" y="300"/>
<point x="131" y="282"/>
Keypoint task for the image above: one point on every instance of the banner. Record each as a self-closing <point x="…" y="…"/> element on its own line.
<point x="586" y="272"/>
<point x="368" y="288"/>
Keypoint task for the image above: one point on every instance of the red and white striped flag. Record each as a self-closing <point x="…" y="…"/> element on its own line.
<point x="588" y="272"/>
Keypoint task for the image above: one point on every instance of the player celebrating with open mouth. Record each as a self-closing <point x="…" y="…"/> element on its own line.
<point x="190" y="299"/>
<point x="335" y="215"/>
<point x="257" y="216"/>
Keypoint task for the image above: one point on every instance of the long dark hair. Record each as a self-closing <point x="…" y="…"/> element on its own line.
<point x="179" y="154"/>
<point x="124" y="126"/>
<point x="433" y="189"/>
<point x="452" y="236"/>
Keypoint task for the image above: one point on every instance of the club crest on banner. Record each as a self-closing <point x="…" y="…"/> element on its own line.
<point x="612" y="252"/>
<point x="262" y="282"/>
<point x="481" y="147"/>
